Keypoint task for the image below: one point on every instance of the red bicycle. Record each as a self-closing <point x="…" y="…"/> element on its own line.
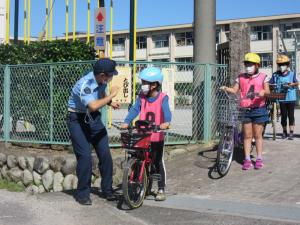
<point x="139" y="171"/>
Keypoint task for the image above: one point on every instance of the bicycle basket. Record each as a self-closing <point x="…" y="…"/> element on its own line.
<point x="228" y="112"/>
<point x="136" y="140"/>
<point x="273" y="96"/>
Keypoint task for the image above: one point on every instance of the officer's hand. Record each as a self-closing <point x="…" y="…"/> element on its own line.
<point x="115" y="105"/>
<point x="114" y="90"/>
<point x="164" y="126"/>
<point x="124" y="126"/>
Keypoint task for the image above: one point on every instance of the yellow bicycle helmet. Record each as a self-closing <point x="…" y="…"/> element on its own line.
<point x="281" y="59"/>
<point x="252" y="57"/>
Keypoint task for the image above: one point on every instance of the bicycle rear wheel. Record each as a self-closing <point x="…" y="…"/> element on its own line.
<point x="134" y="190"/>
<point x="225" y="151"/>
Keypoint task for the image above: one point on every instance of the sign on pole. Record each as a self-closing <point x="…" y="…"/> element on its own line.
<point x="100" y="29"/>
<point x="123" y="80"/>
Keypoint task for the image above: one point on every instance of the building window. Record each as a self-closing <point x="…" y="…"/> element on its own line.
<point x="161" y="40"/>
<point x="184" y="39"/>
<point x="285" y="27"/>
<point x="185" y="66"/>
<point x="141" y="42"/>
<point x="259" y="33"/>
<point x="118" y="44"/>
<point x="160" y="60"/>
<point x="266" y="60"/>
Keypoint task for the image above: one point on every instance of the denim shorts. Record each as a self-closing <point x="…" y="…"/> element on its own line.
<point x="255" y="115"/>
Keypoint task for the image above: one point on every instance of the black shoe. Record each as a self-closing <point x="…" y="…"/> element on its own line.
<point x="284" y="135"/>
<point x="110" y="197"/>
<point x="84" y="201"/>
<point x="291" y="137"/>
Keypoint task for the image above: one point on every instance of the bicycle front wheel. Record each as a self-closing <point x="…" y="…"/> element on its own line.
<point x="225" y="151"/>
<point x="134" y="189"/>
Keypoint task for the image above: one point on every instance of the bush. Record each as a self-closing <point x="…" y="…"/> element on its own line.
<point x="46" y="52"/>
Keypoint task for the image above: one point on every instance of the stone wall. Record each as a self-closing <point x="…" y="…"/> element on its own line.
<point x="39" y="172"/>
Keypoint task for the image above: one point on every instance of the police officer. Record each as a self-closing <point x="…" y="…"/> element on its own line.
<point x="86" y="128"/>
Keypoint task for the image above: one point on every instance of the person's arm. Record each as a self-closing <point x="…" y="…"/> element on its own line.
<point x="133" y="112"/>
<point x="232" y="90"/>
<point x="95" y="105"/>
<point x="167" y="113"/>
<point x="295" y="81"/>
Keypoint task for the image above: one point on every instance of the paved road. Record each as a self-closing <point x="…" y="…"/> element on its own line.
<point x="195" y="195"/>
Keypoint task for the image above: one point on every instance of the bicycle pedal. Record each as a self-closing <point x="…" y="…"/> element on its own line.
<point x="156" y="176"/>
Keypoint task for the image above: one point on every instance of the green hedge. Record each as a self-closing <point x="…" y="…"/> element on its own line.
<point x="44" y="52"/>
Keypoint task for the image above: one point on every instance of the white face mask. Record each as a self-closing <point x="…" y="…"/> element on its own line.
<point x="145" y="89"/>
<point x="283" y="68"/>
<point x="250" y="70"/>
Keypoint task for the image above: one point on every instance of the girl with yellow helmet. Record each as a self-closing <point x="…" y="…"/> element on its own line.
<point x="252" y="86"/>
<point x="285" y="77"/>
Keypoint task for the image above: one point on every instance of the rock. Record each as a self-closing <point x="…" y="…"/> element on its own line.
<point x="56" y="163"/>
<point x="30" y="162"/>
<point x="177" y="152"/>
<point x="4" y="171"/>
<point x="70" y="182"/>
<point x="15" y="174"/>
<point x="47" y="179"/>
<point x="117" y="178"/>
<point x="69" y="166"/>
<point x="22" y="162"/>
<point x="58" y="147"/>
<point x="41" y="189"/>
<point x="97" y="183"/>
<point x="2" y="159"/>
<point x="37" y="178"/>
<point x="12" y="161"/>
<point x="27" y="177"/>
<point x="95" y="163"/>
<point x="41" y="164"/>
<point x="57" y="182"/>
<point x="32" y="189"/>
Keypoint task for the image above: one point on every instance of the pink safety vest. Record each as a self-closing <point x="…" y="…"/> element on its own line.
<point x="245" y="84"/>
<point x="152" y="111"/>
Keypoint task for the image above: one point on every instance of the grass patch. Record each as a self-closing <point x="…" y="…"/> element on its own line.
<point x="11" y="186"/>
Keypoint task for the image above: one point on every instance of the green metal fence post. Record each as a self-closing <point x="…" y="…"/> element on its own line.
<point x="51" y="103"/>
<point x="207" y="103"/>
<point x="7" y="125"/>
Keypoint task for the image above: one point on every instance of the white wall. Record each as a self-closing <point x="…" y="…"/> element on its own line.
<point x="2" y="21"/>
<point x="261" y="46"/>
<point x="184" y="51"/>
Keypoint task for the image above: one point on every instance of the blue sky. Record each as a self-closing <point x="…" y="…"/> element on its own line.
<point x="150" y="12"/>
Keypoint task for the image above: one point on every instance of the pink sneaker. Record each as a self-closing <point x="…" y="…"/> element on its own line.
<point x="247" y="164"/>
<point x="258" y="164"/>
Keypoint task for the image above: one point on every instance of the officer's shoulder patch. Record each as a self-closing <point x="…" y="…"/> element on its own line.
<point x="87" y="90"/>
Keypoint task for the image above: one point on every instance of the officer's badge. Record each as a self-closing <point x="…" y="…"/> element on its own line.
<point x="87" y="90"/>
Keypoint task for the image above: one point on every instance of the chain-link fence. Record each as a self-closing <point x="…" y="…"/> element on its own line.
<point x="36" y="96"/>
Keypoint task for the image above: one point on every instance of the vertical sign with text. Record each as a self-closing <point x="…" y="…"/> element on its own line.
<point x="100" y="29"/>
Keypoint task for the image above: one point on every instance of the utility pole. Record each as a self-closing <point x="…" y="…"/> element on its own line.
<point x="204" y="52"/>
<point x="16" y="26"/>
<point x="132" y="45"/>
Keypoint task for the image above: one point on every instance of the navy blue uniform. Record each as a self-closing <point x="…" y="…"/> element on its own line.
<point x="86" y="130"/>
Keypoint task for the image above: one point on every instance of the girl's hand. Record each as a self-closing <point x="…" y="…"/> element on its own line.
<point x="261" y="93"/>
<point x="124" y="126"/>
<point x="223" y="88"/>
<point x="115" y="105"/>
<point x="164" y="126"/>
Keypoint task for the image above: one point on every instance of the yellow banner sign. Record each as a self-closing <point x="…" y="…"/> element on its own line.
<point x="123" y="80"/>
